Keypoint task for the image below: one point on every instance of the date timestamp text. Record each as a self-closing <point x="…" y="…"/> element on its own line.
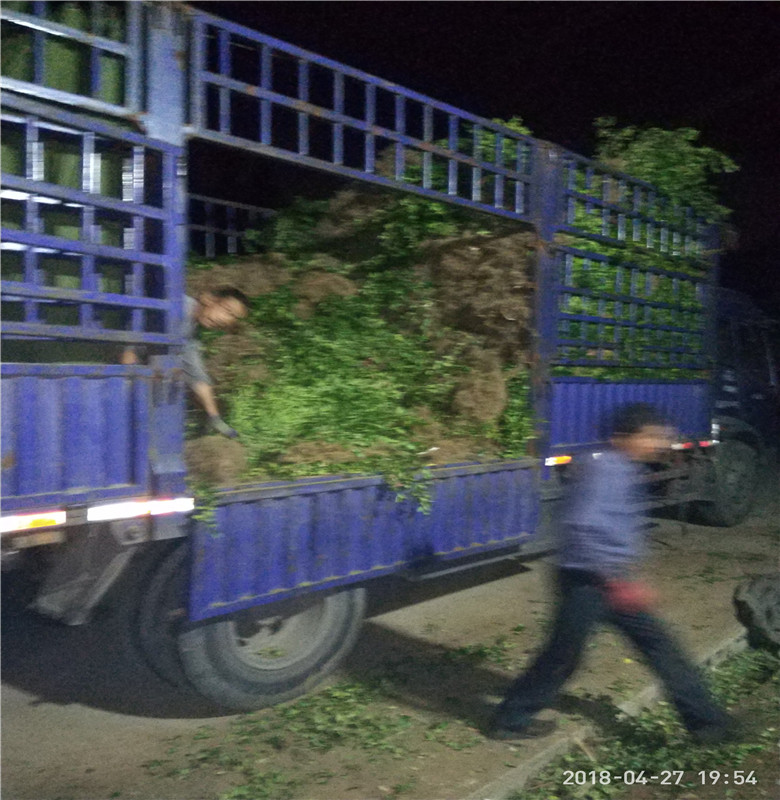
<point x="705" y="777"/>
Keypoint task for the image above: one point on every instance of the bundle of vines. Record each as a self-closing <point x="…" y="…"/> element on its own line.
<point x="386" y="333"/>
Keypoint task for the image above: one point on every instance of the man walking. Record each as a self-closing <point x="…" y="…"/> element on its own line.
<point x="601" y="549"/>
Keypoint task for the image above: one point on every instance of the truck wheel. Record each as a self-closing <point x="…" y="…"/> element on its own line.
<point x="736" y="477"/>
<point x="271" y="653"/>
<point x="161" y="611"/>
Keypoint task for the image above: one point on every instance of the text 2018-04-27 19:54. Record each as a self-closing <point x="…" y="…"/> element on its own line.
<point x="664" y="777"/>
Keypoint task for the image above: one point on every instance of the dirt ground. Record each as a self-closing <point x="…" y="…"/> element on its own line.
<point x="83" y="719"/>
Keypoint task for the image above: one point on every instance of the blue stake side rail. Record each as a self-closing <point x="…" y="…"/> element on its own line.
<point x="272" y="541"/>
<point x="258" y="93"/>
<point x="85" y="257"/>
<point x="633" y="274"/>
<point x="99" y="40"/>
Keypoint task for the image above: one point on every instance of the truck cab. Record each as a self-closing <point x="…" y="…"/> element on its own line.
<point x="746" y="409"/>
<point x="747" y="392"/>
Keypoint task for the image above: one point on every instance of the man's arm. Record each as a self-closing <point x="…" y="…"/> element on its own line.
<point x="205" y="396"/>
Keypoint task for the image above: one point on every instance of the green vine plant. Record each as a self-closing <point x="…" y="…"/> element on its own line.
<point x="673" y="160"/>
<point x="206" y="496"/>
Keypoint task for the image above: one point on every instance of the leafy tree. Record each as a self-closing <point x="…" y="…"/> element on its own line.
<point x="672" y="160"/>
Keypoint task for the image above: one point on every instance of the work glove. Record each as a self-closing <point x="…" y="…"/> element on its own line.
<point x="629" y="597"/>
<point x="220" y="426"/>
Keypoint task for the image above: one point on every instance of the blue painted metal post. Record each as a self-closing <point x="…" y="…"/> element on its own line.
<point x="165" y="75"/>
<point x="166" y="445"/>
<point x="547" y="210"/>
<point x="165" y="119"/>
<point x="369" y="150"/>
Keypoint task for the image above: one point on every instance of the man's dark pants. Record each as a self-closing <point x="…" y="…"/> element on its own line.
<point x="581" y="607"/>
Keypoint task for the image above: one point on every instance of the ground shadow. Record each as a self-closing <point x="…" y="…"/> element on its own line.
<point x="95" y="665"/>
<point x="601" y="710"/>
<point x="440" y="680"/>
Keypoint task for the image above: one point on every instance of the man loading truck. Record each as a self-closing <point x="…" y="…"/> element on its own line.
<point x="218" y="309"/>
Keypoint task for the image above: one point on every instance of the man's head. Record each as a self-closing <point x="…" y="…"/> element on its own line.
<point x="220" y="309"/>
<point x="641" y="432"/>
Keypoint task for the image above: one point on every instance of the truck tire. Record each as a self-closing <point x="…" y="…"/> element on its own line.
<point x="271" y="653"/>
<point x="734" y="488"/>
<point x="161" y="612"/>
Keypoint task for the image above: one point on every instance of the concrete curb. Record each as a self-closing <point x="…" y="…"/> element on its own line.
<point x="561" y="743"/>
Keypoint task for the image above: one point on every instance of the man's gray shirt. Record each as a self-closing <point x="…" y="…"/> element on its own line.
<point x="601" y="530"/>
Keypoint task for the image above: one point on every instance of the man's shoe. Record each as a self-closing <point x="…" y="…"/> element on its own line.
<point x="535" y="728"/>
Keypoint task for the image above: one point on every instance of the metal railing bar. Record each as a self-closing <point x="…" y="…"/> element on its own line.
<point x="58" y="244"/>
<point x="75" y="332"/>
<point x="13" y="289"/>
<point x="59" y="96"/>
<point x="79" y="197"/>
<point x="243" y="206"/>
<point x="77" y="123"/>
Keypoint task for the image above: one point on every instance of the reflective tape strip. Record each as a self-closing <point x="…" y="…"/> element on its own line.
<point x="25" y="522"/>
<point x="140" y="508"/>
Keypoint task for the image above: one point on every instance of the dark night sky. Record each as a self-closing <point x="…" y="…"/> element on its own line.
<point x="714" y="66"/>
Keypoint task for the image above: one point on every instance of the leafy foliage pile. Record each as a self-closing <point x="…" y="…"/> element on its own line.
<point x="362" y="351"/>
<point x="672" y="160"/>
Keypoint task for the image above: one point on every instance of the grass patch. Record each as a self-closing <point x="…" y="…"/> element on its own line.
<point x="264" y="786"/>
<point x="347" y="714"/>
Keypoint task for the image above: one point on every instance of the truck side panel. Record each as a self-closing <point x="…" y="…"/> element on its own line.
<point x="267" y="542"/>
<point x="579" y="407"/>
<point x="71" y="433"/>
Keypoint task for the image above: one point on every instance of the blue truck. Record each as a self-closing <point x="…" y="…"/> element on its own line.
<point x="100" y="108"/>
